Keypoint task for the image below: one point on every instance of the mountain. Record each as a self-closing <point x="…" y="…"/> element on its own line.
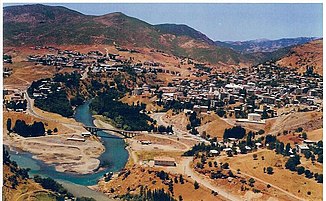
<point x="55" y="25"/>
<point x="183" y="30"/>
<point x="302" y="56"/>
<point x="263" y="45"/>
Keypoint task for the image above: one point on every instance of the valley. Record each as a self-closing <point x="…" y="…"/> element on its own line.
<point x="140" y="111"/>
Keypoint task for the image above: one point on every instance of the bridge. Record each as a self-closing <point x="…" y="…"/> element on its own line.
<point x="127" y="134"/>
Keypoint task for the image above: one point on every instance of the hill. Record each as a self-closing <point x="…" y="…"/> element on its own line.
<point x="263" y="45"/>
<point x="55" y="25"/>
<point x="302" y="56"/>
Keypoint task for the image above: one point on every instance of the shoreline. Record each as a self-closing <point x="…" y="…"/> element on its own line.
<point x="70" y="157"/>
<point x="98" y="122"/>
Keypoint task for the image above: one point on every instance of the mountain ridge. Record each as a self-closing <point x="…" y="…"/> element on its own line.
<point x="264" y="45"/>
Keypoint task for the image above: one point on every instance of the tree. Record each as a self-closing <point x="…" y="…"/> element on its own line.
<point x="300" y="129"/>
<point x="270" y="170"/>
<point x="196" y="185"/>
<point x="287" y="149"/>
<point x="255" y="156"/>
<point x="180" y="198"/>
<point x="300" y="170"/>
<point x="308" y="173"/>
<point x="320" y="158"/>
<point x="55" y="130"/>
<point x="225" y="166"/>
<point x="181" y="179"/>
<point x="9" y="125"/>
<point x="251" y="182"/>
<point x="304" y="135"/>
<point x="319" y="178"/>
<point x="235" y="132"/>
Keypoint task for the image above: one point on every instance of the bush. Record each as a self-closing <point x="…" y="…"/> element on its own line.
<point x="196" y="185"/>
<point x="270" y="170"/>
<point x="300" y="170"/>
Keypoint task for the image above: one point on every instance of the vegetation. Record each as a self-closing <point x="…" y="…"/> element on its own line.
<point x="149" y="195"/>
<point x="123" y="115"/>
<point x="34" y="130"/>
<point x="196" y="185"/>
<point x="236" y="132"/>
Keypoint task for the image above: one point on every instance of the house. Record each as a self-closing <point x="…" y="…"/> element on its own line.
<point x="301" y="148"/>
<point x="145" y="142"/>
<point x="254" y="117"/>
<point x="86" y="134"/>
<point x="213" y="152"/>
<point x="164" y="161"/>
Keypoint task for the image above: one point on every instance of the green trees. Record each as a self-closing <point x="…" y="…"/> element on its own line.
<point x="251" y="182"/>
<point x="269" y="170"/>
<point x="300" y="170"/>
<point x="254" y="156"/>
<point x="9" y="125"/>
<point x="122" y="114"/>
<point x="196" y="185"/>
<point x="34" y="130"/>
<point x="235" y="132"/>
<point x="292" y="163"/>
<point x="56" y="102"/>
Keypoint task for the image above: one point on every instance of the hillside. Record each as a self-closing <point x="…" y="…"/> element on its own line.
<point x="30" y="25"/>
<point x="263" y="45"/>
<point x="302" y="56"/>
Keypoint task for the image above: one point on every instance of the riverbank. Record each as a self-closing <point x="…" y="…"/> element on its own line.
<point x="76" y="157"/>
<point x="102" y="122"/>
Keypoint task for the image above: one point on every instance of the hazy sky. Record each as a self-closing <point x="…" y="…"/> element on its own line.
<point x="223" y="21"/>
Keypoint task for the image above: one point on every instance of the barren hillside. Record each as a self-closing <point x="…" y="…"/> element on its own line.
<point x="309" y="54"/>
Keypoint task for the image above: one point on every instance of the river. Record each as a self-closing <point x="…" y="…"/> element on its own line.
<point x="115" y="155"/>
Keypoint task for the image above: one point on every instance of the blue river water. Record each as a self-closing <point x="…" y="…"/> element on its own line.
<point x="115" y="155"/>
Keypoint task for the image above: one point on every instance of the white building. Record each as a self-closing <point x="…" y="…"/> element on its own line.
<point x="254" y="117"/>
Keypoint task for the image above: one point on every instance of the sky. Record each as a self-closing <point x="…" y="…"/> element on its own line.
<point x="223" y="22"/>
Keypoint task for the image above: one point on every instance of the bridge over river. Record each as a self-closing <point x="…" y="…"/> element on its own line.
<point x="127" y="134"/>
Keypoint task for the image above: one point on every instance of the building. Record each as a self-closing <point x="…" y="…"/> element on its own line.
<point x="301" y="148"/>
<point x="164" y="161"/>
<point x="254" y="117"/>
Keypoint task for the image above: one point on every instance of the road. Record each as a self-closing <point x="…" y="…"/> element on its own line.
<point x="273" y="186"/>
<point x="190" y="172"/>
<point x="30" y="105"/>
<point x="179" y="133"/>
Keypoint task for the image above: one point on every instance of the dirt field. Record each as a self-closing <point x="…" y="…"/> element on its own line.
<point x="214" y="126"/>
<point x="147" y="177"/>
<point x="290" y="181"/>
<point x="150" y="102"/>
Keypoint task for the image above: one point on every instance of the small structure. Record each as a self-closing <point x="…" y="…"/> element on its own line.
<point x="213" y="152"/>
<point x="301" y="148"/>
<point x="254" y="117"/>
<point x="164" y="161"/>
<point x="86" y="134"/>
<point x="145" y="142"/>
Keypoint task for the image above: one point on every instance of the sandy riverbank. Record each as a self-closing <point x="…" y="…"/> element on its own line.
<point x="67" y="156"/>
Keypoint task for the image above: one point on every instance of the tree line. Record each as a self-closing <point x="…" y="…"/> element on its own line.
<point x="26" y="130"/>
